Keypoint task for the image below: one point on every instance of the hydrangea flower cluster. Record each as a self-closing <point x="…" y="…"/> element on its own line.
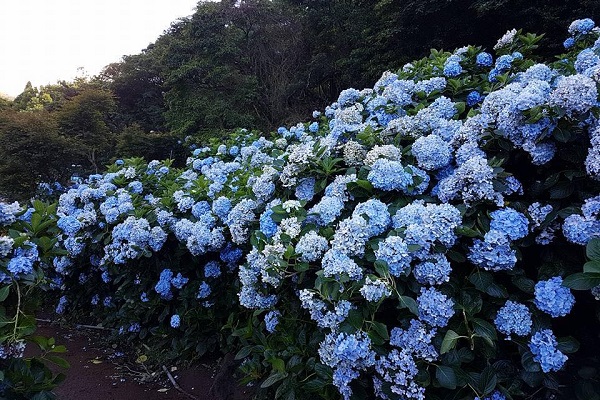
<point x="514" y="318"/>
<point x="543" y="346"/>
<point x="347" y="354"/>
<point x="553" y="298"/>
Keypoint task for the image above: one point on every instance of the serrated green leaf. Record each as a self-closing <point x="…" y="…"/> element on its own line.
<point x="272" y="379"/>
<point x="410" y="303"/>
<point x="243" y="353"/>
<point x="381" y="330"/>
<point x="449" y="342"/>
<point x="582" y="281"/>
<point x="592" y="249"/>
<point x="4" y="292"/>
<point x="487" y="380"/>
<point x="592" y="267"/>
<point x="61" y="362"/>
<point x="446" y="376"/>
<point x="567" y="344"/>
<point x="485" y="330"/>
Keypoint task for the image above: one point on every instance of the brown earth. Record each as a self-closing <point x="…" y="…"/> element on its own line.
<point x="99" y="371"/>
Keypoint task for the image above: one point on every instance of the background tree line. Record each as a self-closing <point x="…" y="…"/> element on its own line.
<point x="254" y="63"/>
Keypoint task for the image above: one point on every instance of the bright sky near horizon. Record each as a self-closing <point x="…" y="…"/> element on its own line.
<point x="44" y="41"/>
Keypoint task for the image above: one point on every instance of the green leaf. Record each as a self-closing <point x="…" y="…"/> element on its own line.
<point x="496" y="291"/>
<point x="567" y="344"/>
<point x="324" y="372"/>
<point x="592" y="266"/>
<point x="410" y="303"/>
<point x="482" y="280"/>
<point x="315" y="385"/>
<point x="4" y="292"/>
<point x="243" y="353"/>
<point x="278" y="364"/>
<point x="273" y="378"/>
<point x="382" y="268"/>
<point x="525" y="284"/>
<point x="485" y="330"/>
<point x="582" y="281"/>
<point x="562" y="190"/>
<point x="355" y="318"/>
<point x="449" y="341"/>
<point x="487" y="380"/>
<point x="456" y="256"/>
<point x="468" y="232"/>
<point x="446" y="376"/>
<point x="592" y="249"/>
<point x="528" y="363"/>
<point x="61" y="362"/>
<point x="381" y="330"/>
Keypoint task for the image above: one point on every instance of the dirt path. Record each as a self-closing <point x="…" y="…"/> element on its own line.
<point x="101" y="372"/>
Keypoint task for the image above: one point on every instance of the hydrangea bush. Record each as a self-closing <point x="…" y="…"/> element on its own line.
<point x="420" y="239"/>
<point x="27" y="244"/>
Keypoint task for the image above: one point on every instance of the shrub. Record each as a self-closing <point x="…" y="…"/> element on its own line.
<point x="422" y="239"/>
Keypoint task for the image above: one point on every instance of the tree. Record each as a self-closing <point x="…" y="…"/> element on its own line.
<point x="137" y="84"/>
<point x="32" y="151"/>
<point x="87" y="119"/>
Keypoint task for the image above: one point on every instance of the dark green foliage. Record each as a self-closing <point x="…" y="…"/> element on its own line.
<point x="31" y="151"/>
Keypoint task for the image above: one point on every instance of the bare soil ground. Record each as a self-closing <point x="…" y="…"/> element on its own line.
<point x="100" y="371"/>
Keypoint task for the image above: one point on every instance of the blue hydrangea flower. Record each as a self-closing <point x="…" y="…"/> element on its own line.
<point x="69" y="224"/>
<point x="375" y="290"/>
<point x="510" y="222"/>
<point x="377" y="214"/>
<point x="327" y="209"/>
<point x="543" y="347"/>
<point x="574" y="94"/>
<point x="179" y="280"/>
<point x="435" y="308"/>
<point x="433" y="271"/>
<point x="62" y="303"/>
<point x="203" y="291"/>
<point x="335" y="264"/>
<point x="305" y="189"/>
<point x="474" y="97"/>
<point x="553" y="298"/>
<point x="212" y="270"/>
<point x="346" y="354"/>
<point x="452" y="69"/>
<point x="578" y="229"/>
<point x="431" y="152"/>
<point x="569" y="42"/>
<point x="581" y="26"/>
<point x="163" y="287"/>
<point x="8" y="211"/>
<point x="6" y="244"/>
<point x="484" y="59"/>
<point x="272" y="320"/>
<point x="496" y="395"/>
<point x="230" y="254"/>
<point x="416" y="340"/>
<point x="311" y="246"/>
<point x="175" y="321"/>
<point x="389" y="175"/>
<point x="514" y="318"/>
<point x="136" y="187"/>
<point x="493" y="253"/>
<point x="267" y="226"/>
<point x="394" y="251"/>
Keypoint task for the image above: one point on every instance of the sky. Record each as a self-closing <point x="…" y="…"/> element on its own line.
<point x="44" y="41"/>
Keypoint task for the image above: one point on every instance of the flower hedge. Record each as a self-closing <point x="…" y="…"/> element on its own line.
<point x="420" y="239"/>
